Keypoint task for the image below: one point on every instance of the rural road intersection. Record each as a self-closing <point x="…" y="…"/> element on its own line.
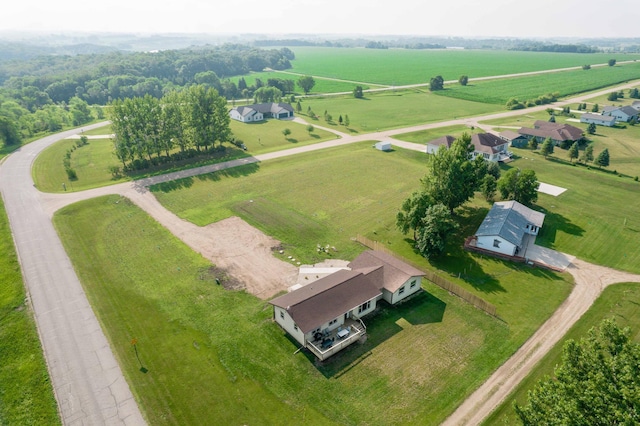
<point x="88" y="383"/>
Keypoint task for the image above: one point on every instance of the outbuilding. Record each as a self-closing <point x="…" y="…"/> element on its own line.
<point x="383" y="146"/>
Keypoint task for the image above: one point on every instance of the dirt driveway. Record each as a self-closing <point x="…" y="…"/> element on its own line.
<point x="590" y="281"/>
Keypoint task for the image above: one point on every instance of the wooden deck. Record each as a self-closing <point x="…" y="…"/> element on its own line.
<point x="335" y="344"/>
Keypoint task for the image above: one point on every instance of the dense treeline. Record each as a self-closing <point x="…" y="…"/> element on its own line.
<point x="98" y="79"/>
<point x="560" y="48"/>
<point x="49" y="93"/>
<point x="150" y="131"/>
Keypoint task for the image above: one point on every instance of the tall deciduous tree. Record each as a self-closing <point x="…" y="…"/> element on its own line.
<point x="412" y="211"/>
<point x="436" y="226"/>
<point x="9" y="133"/>
<point x="451" y="179"/>
<point x="521" y="186"/>
<point x="436" y="83"/>
<point x="357" y="92"/>
<point x="306" y="83"/>
<point x="463" y="80"/>
<point x="597" y="383"/>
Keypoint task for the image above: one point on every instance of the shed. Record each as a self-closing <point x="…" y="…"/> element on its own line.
<point x="383" y="146"/>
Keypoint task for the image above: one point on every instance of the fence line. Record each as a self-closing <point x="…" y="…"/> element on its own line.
<point x="435" y="278"/>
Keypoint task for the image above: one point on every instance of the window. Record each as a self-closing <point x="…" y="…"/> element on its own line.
<point x="496" y="243"/>
<point x="281" y="314"/>
<point x="333" y="322"/>
<point x="365" y="306"/>
<point x="413" y="284"/>
<point x="401" y="290"/>
<point x="295" y="327"/>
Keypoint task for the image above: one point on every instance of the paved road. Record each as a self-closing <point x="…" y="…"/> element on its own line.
<point x="87" y="381"/>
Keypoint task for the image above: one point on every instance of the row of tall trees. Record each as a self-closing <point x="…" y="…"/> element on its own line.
<point x="150" y="130"/>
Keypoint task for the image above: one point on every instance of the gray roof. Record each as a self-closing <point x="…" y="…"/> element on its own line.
<point x="508" y="219"/>
<point x="266" y="108"/>
<point x="328" y="298"/>
<point x="394" y="271"/>
<point x="600" y="117"/>
<point x="629" y="110"/>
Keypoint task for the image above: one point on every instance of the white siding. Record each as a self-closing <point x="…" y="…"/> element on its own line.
<point x="486" y="242"/>
<point x="372" y="306"/>
<point x="282" y="317"/>
<point x="431" y="149"/>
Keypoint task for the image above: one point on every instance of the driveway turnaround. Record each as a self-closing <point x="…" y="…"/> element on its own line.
<point x="87" y="381"/>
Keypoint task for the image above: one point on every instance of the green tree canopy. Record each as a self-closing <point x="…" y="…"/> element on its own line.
<point x="437" y="225"/>
<point x="9" y="133"/>
<point x="597" y="383"/>
<point x="591" y="129"/>
<point x="547" y="148"/>
<point x="436" y="83"/>
<point x="451" y="179"/>
<point x="602" y="160"/>
<point x="306" y="83"/>
<point x="521" y="186"/>
<point x="573" y="151"/>
<point x="611" y="62"/>
<point x="357" y="92"/>
<point x="463" y="80"/>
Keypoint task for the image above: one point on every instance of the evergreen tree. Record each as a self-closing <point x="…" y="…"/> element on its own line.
<point x="573" y="151"/>
<point x="602" y="160"/>
<point x="547" y="148"/>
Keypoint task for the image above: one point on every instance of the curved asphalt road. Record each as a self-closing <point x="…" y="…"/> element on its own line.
<point x="87" y="381"/>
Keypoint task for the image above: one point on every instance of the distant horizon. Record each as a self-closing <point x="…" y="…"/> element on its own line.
<point x="546" y="19"/>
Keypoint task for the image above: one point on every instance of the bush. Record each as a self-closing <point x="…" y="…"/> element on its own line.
<point x="71" y="173"/>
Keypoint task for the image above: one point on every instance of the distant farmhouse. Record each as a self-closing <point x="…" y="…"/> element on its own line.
<point x="260" y="112"/>
<point x="505" y="228"/>
<point x="325" y="315"/>
<point x="487" y="145"/>
<point x="597" y="119"/>
<point x="558" y="133"/>
<point x="624" y="114"/>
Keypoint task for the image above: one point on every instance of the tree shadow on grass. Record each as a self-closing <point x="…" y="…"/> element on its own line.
<point x="187" y="182"/>
<point x="421" y="309"/>
<point x="554" y="222"/>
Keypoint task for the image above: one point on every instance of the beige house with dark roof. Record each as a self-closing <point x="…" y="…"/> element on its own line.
<point x="325" y="315"/>
<point x="557" y="132"/>
<point x="487" y="145"/>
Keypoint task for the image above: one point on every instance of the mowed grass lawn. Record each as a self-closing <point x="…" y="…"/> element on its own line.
<point x="26" y="395"/>
<point x="208" y="353"/>
<point x="92" y="161"/>
<point x="597" y="219"/>
<point x="394" y="67"/>
<point x="392" y="110"/>
<point x="329" y="197"/>
<point x="620" y="302"/>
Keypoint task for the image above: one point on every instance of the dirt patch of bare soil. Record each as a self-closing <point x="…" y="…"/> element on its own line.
<point x="243" y="257"/>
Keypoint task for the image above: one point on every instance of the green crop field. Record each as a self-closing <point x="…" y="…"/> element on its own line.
<point x="394" y="67"/>
<point x="620" y="301"/>
<point x="322" y="85"/>
<point x="26" y="395"/>
<point x="391" y="110"/>
<point x="565" y="83"/>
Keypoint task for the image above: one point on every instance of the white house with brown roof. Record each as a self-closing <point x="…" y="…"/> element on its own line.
<point x="325" y="315"/>
<point x="487" y="145"/>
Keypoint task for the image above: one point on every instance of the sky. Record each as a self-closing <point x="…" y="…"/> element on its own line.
<point x="464" y="18"/>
